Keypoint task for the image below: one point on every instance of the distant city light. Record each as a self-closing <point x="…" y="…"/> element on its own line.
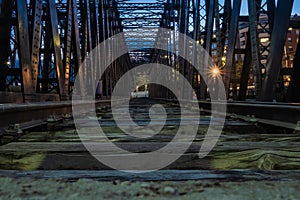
<point x="200" y="41"/>
<point x="263" y="40"/>
<point x="215" y="72"/>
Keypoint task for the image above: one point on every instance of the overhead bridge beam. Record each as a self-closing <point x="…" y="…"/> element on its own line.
<point x="139" y="6"/>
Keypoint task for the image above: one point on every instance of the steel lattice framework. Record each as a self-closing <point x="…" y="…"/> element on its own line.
<point x="43" y="43"/>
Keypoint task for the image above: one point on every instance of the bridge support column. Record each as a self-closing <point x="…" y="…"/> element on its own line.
<point x="281" y="24"/>
<point x="6" y="7"/>
<point x="28" y="81"/>
<point x="294" y="88"/>
<point x="230" y="58"/>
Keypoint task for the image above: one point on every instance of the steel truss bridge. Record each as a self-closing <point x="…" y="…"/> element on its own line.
<point x="44" y="42"/>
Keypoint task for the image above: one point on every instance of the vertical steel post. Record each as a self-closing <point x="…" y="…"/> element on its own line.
<point x="271" y="13"/>
<point x="253" y="17"/>
<point x="24" y="50"/>
<point x="281" y="24"/>
<point x="294" y="88"/>
<point x="230" y="57"/>
<point x="57" y="49"/>
<point x="76" y="44"/>
<point x="209" y="25"/>
<point x="36" y="40"/>
<point x="246" y="70"/>
<point x="68" y="45"/>
<point x="6" y="7"/>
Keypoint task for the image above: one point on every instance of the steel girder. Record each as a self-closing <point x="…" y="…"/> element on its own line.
<point x="57" y="48"/>
<point x="232" y="38"/>
<point x="264" y="19"/>
<point x="214" y="32"/>
<point x="68" y="45"/>
<point x="36" y="41"/>
<point x="124" y="7"/>
<point x="259" y="50"/>
<point x="196" y="19"/>
<point x="294" y="88"/>
<point x="253" y="6"/>
<point x="53" y="39"/>
<point x="55" y="36"/>
<point x="24" y="49"/>
<point x="245" y="70"/>
<point x="29" y="43"/>
<point x="110" y="24"/>
<point x="281" y="25"/>
<point x="139" y="15"/>
<point x="226" y="24"/>
<point x="6" y="8"/>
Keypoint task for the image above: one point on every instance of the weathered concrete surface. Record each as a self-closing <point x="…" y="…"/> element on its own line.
<point x="57" y="188"/>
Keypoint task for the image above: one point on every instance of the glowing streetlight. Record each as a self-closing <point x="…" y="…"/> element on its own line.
<point x="215" y="75"/>
<point x="215" y="72"/>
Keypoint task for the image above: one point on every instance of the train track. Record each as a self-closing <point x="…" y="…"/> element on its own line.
<point x="244" y="144"/>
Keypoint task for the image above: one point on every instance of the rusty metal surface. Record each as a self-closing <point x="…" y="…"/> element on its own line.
<point x="18" y="113"/>
<point x="36" y="41"/>
<point x="68" y="46"/>
<point x="24" y="48"/>
<point x="57" y="48"/>
<point x="284" y="112"/>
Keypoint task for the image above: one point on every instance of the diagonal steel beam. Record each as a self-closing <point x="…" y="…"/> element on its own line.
<point x="6" y="7"/>
<point x="230" y="57"/>
<point x="57" y="48"/>
<point x="281" y="24"/>
<point x="246" y="70"/>
<point x="68" y="45"/>
<point x="76" y="43"/>
<point x="210" y="24"/>
<point x="36" y="41"/>
<point x="24" y="50"/>
<point x="253" y="6"/>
